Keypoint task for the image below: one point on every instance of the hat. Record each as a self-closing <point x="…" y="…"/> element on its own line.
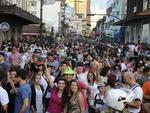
<point x="101" y="85"/>
<point x="2" y="54"/>
<point x="39" y="63"/>
<point x="69" y="71"/>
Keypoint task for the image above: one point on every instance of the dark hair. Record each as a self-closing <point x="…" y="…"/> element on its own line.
<point x="93" y="77"/>
<point x="65" y="97"/>
<point x="146" y="70"/>
<point x="75" y="82"/>
<point x="3" y="74"/>
<point x="22" y="73"/>
<point x="111" y="81"/>
<point x="104" y="71"/>
<point x="13" y="69"/>
<point x="117" y="66"/>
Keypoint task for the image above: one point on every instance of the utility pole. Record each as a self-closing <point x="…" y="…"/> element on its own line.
<point x="41" y="18"/>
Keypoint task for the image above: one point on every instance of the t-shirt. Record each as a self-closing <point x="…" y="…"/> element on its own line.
<point x="56" y="103"/>
<point x="138" y="94"/>
<point x="3" y="94"/>
<point x="24" y="92"/>
<point x="146" y="88"/>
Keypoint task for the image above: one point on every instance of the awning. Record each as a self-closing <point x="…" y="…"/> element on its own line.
<point x="133" y="19"/>
<point x="30" y="34"/>
<point x="12" y="11"/>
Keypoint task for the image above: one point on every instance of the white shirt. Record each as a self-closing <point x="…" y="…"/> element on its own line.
<point x="4" y="100"/>
<point x="138" y="92"/>
<point x="82" y="77"/>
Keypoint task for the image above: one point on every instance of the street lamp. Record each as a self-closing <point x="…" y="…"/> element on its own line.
<point x="41" y="18"/>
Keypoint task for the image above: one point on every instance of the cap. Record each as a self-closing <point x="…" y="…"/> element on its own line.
<point x="69" y="71"/>
<point x="2" y="54"/>
<point x="101" y="85"/>
<point x="39" y="63"/>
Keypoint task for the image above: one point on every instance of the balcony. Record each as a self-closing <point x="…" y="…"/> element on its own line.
<point x="17" y="13"/>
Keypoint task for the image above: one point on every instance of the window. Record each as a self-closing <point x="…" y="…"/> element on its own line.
<point x="145" y="5"/>
<point x="33" y="3"/>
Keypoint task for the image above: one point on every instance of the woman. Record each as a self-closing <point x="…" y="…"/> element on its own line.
<point x="91" y="83"/>
<point x="37" y="95"/>
<point x="76" y="102"/>
<point x="58" y="96"/>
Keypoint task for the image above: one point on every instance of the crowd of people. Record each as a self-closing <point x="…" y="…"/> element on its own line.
<point x="73" y="76"/>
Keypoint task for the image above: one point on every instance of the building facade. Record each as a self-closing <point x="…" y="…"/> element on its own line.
<point x="116" y="11"/>
<point x="14" y="14"/>
<point x="137" y="22"/>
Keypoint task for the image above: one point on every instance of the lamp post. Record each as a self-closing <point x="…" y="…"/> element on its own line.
<point x="41" y="18"/>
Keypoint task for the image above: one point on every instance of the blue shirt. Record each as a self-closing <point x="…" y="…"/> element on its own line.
<point x="24" y="92"/>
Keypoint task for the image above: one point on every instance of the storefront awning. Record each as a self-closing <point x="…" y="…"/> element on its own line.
<point x="136" y="18"/>
<point x="12" y="11"/>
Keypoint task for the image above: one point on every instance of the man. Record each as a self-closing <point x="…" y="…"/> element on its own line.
<point x="135" y="105"/>
<point x="3" y="94"/>
<point x="23" y="96"/>
<point x="80" y="74"/>
<point x="3" y="64"/>
<point x="15" y="57"/>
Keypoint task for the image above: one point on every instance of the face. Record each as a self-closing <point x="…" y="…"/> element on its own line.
<point x="63" y="67"/>
<point x="12" y="75"/>
<point x="68" y="77"/>
<point x="74" y="87"/>
<point x="1" y="58"/>
<point x="101" y="89"/>
<point x="61" y="85"/>
<point x="37" y="79"/>
<point x="90" y="76"/>
<point x="80" y="69"/>
<point x="117" y="70"/>
<point x="126" y="80"/>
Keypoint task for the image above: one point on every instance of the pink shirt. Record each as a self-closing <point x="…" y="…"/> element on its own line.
<point x="56" y="105"/>
<point x="83" y="86"/>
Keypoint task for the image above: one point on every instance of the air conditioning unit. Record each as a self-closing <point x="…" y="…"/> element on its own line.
<point x="134" y="9"/>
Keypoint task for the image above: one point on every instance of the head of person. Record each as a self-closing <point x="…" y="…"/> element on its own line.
<point x="79" y="67"/>
<point x="74" y="87"/>
<point x="51" y="69"/>
<point x="140" y="68"/>
<point x="37" y="79"/>
<point x="3" y="74"/>
<point x="50" y="57"/>
<point x="91" y="77"/>
<point x="40" y="66"/>
<point x="21" y="75"/>
<point x="117" y="69"/>
<point x="2" y="56"/>
<point x="129" y="78"/>
<point x="61" y="83"/>
<point x="13" y="73"/>
<point x="14" y="49"/>
<point x="146" y="72"/>
<point x="68" y="74"/>
<point x="101" y="88"/>
<point x="105" y="71"/>
<point x="63" y="66"/>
